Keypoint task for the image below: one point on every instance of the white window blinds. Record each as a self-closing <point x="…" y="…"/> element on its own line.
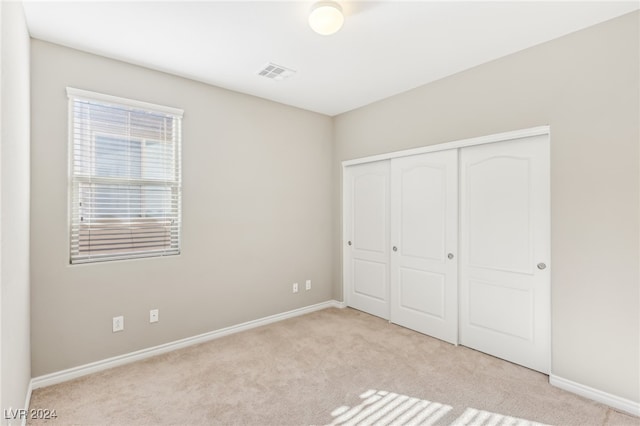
<point x="125" y="178"/>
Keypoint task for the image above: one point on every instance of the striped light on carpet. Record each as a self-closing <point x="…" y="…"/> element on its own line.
<point x="382" y="408"/>
<point x="473" y="417"/>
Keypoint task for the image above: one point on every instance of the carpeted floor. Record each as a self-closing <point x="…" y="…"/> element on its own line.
<point x="335" y="366"/>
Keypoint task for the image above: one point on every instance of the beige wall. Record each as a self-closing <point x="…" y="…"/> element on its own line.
<point x="585" y="86"/>
<point x="256" y="216"/>
<point x="15" y="354"/>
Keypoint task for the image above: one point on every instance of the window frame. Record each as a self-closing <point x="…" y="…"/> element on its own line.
<point x="174" y="183"/>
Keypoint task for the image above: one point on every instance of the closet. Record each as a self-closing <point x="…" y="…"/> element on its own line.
<point x="453" y="241"/>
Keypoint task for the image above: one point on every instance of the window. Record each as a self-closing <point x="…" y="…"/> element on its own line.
<point x="125" y="178"/>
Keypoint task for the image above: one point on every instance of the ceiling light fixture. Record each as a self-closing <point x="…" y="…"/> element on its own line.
<point x="326" y="17"/>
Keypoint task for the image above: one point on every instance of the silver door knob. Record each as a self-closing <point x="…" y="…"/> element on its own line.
<point x="349" y="242"/>
<point x="450" y="256"/>
<point x="541" y="266"/>
<point x="395" y="248"/>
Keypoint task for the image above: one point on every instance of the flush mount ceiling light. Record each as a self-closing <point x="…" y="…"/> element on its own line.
<point x="326" y="17"/>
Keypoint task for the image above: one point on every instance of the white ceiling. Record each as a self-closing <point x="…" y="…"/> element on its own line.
<point x="384" y="47"/>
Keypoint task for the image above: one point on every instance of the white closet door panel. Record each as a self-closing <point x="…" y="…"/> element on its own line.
<point x="424" y="231"/>
<point x="515" y="316"/>
<point x="422" y="292"/>
<point x="423" y="209"/>
<point x="497" y="202"/>
<point x="370" y="212"/>
<point x="505" y="305"/>
<point x="366" y="249"/>
<point x="369" y="279"/>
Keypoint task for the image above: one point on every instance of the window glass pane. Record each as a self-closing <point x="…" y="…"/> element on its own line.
<point x="157" y="202"/>
<point x="116" y="202"/>
<point x="125" y="181"/>
<point x="119" y="158"/>
<point x="157" y="161"/>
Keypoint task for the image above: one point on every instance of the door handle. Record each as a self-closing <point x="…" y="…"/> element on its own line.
<point x="395" y="248"/>
<point x="541" y="266"/>
<point x="450" y="256"/>
<point x="349" y="242"/>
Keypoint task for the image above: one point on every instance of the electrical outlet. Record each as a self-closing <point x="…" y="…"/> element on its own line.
<point x="308" y="285"/>
<point x="118" y="323"/>
<point x="295" y="287"/>
<point x="154" y="315"/>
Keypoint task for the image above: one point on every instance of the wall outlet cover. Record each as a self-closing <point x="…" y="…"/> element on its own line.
<point x="118" y="323"/>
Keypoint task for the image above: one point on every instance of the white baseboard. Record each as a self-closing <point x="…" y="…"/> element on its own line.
<point x="83" y="370"/>
<point x="614" y="401"/>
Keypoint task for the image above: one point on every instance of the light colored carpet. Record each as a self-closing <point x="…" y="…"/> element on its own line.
<point x="336" y="366"/>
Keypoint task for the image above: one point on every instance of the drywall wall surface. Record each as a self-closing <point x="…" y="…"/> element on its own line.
<point x="256" y="212"/>
<point x="585" y="86"/>
<point x="14" y="211"/>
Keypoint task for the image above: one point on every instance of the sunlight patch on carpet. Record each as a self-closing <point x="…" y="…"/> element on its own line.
<point x="388" y="408"/>
<point x="473" y="417"/>
<point x="382" y="408"/>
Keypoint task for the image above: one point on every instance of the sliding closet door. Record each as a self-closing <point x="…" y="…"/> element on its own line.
<point x="424" y="225"/>
<point x="366" y="233"/>
<point x="504" y="274"/>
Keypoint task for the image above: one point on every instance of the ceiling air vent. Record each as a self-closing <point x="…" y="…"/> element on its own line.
<point x="276" y="72"/>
